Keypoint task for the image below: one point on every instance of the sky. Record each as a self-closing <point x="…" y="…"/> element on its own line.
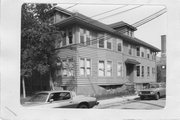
<point x="150" y="32"/>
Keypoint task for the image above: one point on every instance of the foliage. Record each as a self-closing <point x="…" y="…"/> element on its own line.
<point x="38" y="39"/>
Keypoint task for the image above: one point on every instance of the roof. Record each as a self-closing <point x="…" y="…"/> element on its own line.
<point x="132" y="61"/>
<point x="77" y="18"/>
<point x="121" y="24"/>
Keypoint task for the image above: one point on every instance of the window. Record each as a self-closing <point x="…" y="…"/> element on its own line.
<point x="137" y="71"/>
<point x="138" y="51"/>
<point x="109" y="44"/>
<point x="130" y="49"/>
<point x="70" y="67"/>
<point x="142" y="72"/>
<point x="142" y="54"/>
<point x="101" y="42"/>
<point x="82" y="39"/>
<point x="119" y="69"/>
<point x="60" y="96"/>
<point x="64" y="68"/>
<point x="64" y="38"/>
<point x="85" y="66"/>
<point x="153" y="71"/>
<point x="109" y="68"/>
<point x="119" y="47"/>
<point x="88" y="37"/>
<point x="67" y="67"/>
<point x="101" y="66"/>
<point x="148" y="71"/>
<point x="148" y="56"/>
<point x="70" y="36"/>
<point x="82" y="66"/>
<point x="88" y="66"/>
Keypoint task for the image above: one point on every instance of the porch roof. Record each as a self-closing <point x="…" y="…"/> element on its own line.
<point x="132" y="61"/>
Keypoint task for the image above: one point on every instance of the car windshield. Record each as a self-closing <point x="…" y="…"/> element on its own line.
<point x="40" y="97"/>
<point x="154" y="86"/>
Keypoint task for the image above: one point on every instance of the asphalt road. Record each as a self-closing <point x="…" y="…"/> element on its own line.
<point x="148" y="104"/>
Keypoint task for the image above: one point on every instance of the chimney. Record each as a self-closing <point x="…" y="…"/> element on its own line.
<point x="163" y="46"/>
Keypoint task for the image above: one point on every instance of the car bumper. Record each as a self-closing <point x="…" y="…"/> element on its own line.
<point x="147" y="95"/>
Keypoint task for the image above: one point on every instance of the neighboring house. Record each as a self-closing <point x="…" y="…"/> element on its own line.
<point x="161" y="62"/>
<point x="97" y="57"/>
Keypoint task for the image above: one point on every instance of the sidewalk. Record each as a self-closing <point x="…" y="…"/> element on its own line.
<point x="114" y="101"/>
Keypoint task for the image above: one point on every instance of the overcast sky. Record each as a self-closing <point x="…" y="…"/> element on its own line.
<point x="150" y="32"/>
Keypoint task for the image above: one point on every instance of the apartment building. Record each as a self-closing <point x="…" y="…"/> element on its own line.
<point x="96" y="57"/>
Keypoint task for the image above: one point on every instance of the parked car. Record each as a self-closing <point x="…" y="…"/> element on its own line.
<point x="60" y="99"/>
<point x="155" y="90"/>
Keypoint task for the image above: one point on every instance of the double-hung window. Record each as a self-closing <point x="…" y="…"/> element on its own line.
<point x="137" y="71"/>
<point x="109" y="44"/>
<point x="88" y="42"/>
<point x="82" y="38"/>
<point x="101" y="68"/>
<point x="142" y="72"/>
<point x="119" y="69"/>
<point x="119" y="46"/>
<point x="101" y="42"/>
<point x="64" y="38"/>
<point x="138" y="51"/>
<point x="109" y="68"/>
<point x="70" y="36"/>
<point x="88" y="66"/>
<point x="148" y="71"/>
<point x="82" y="66"/>
<point x="85" y="67"/>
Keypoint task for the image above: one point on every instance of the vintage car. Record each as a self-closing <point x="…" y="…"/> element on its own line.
<point x="60" y="99"/>
<point x="155" y="90"/>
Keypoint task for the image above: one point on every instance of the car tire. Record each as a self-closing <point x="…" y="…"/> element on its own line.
<point x="157" y="96"/>
<point x="142" y="97"/>
<point x="83" y="106"/>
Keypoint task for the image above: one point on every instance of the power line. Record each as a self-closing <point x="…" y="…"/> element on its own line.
<point x="149" y="18"/>
<point x="72" y="6"/>
<point x="120" y="12"/>
<point x="109" y="11"/>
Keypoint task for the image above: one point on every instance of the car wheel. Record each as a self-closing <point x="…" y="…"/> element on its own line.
<point x="142" y="97"/>
<point x="83" y="106"/>
<point x="157" y="96"/>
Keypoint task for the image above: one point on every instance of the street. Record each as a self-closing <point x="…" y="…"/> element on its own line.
<point x="139" y="104"/>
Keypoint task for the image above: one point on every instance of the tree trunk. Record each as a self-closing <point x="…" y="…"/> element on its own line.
<point x="51" y="82"/>
<point x="24" y="88"/>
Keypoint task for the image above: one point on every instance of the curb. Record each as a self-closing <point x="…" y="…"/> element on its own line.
<point x="114" y="103"/>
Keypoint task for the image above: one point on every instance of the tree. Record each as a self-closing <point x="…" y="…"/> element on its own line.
<point x="38" y="40"/>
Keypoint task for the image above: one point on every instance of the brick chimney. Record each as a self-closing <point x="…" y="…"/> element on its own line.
<point x="163" y="46"/>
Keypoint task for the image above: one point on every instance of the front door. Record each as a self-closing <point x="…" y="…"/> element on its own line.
<point x="130" y="72"/>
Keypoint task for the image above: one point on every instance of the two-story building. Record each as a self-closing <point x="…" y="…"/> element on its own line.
<point x="97" y="57"/>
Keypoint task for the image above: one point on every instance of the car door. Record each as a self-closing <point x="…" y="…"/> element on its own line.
<point x="62" y="100"/>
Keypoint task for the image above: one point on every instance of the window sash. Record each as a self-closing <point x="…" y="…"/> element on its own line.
<point x="109" y="45"/>
<point x="109" y="68"/>
<point x="101" y="43"/>
<point x="137" y="71"/>
<point x="119" y="47"/>
<point x="101" y="71"/>
<point x="142" y="72"/>
<point x="119" y="69"/>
